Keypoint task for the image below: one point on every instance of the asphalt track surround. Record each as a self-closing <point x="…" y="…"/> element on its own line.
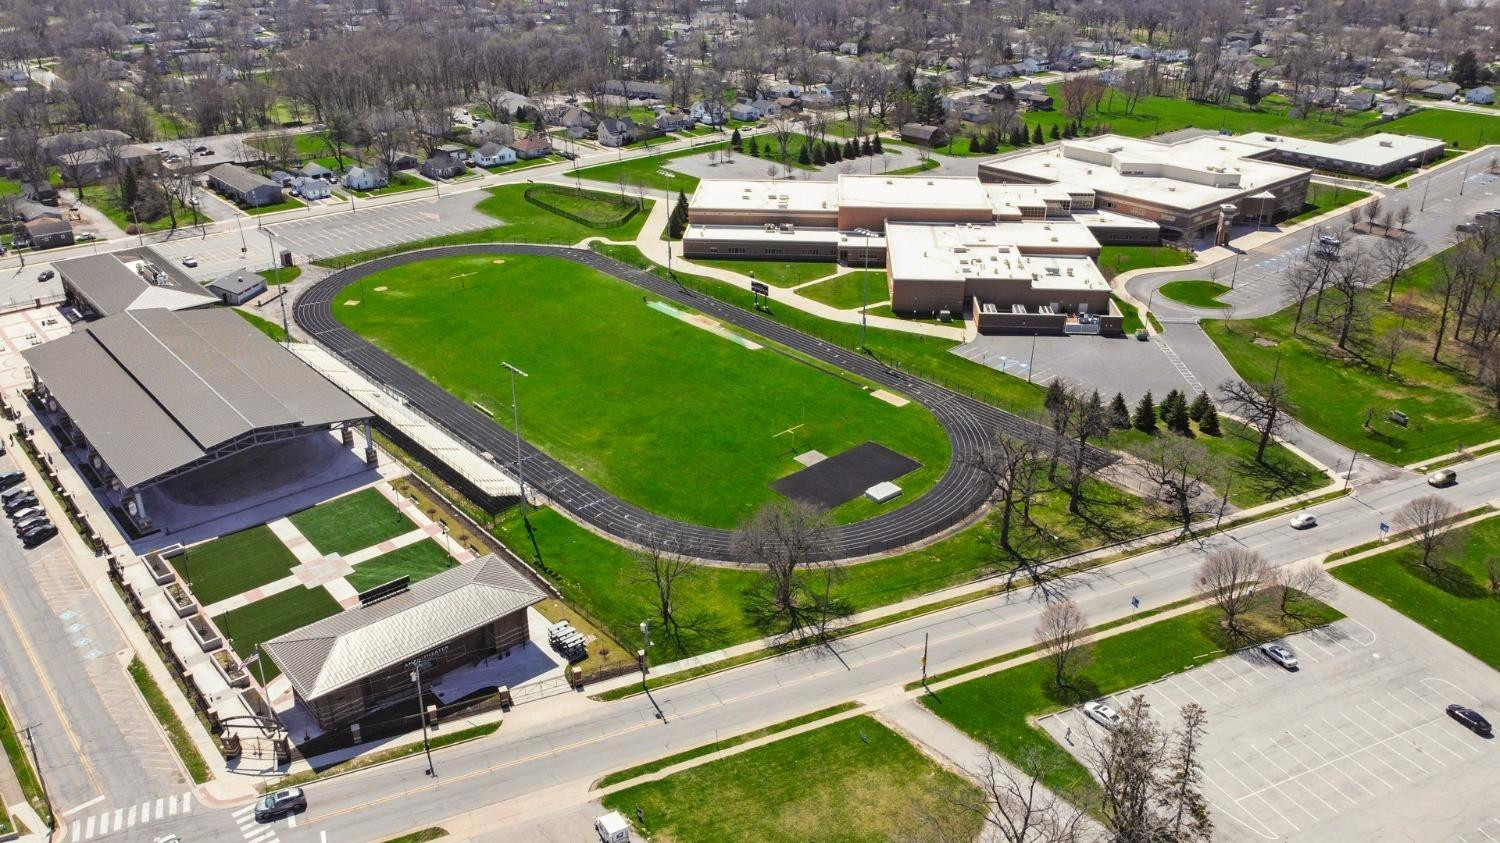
<point x="959" y="493"/>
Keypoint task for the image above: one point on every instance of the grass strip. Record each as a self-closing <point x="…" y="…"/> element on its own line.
<point x="392" y="754"/>
<point x="20" y="762"/>
<point x="719" y="746"/>
<point x="419" y="836"/>
<point x="177" y="733"/>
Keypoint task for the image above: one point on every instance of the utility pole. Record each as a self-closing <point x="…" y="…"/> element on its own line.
<point x="36" y="764"/>
<point x="516" y="417"/>
<point x="416" y="676"/>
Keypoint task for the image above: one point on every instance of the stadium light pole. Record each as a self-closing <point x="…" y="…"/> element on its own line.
<point x="516" y="417"/>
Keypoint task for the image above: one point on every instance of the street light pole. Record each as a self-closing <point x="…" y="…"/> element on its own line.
<point x="516" y="417"/>
<point x="416" y="676"/>
<point x="1031" y="364"/>
<point x="1426" y="186"/>
<point x="1235" y="274"/>
<point x="645" y="647"/>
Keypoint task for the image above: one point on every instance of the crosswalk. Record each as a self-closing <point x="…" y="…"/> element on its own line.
<point x="119" y="819"/>
<point x="254" y="832"/>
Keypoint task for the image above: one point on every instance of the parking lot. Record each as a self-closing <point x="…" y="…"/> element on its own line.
<point x="1354" y="745"/>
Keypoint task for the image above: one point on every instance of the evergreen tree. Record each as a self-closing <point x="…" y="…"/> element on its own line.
<point x="754" y="147"/>
<point x="677" y="222"/>
<point x="802" y="157"/>
<point x="1017" y="137"/>
<point x="867" y="148"/>
<point x="1056" y="133"/>
<point x="851" y="149"/>
<point x="878" y="150"/>
<point x="930" y="105"/>
<point x="130" y="190"/>
<point x="1201" y="405"/>
<point x="1253" y="96"/>
<point x="1466" y="69"/>
<point x="1144" y="419"/>
<point x="1177" y="418"/>
<point x="734" y="140"/>
<point x="1056" y="396"/>
<point x="819" y="159"/>
<point x="1036" y="135"/>
<point x="1168" y="405"/>
<point x="1209" y="424"/>
<point x="1119" y="413"/>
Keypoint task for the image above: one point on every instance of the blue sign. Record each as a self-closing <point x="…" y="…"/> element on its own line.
<point x="1135" y="602"/>
<point x="1384" y="528"/>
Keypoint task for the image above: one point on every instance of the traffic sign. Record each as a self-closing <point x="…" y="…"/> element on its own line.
<point x="760" y="288"/>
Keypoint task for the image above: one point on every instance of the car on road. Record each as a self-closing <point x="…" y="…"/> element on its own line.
<point x="189" y="261"/>
<point x="1442" y="478"/>
<point x="1102" y="714"/>
<point x="1303" y="520"/>
<point x="1280" y="654"/>
<point x="38" y="535"/>
<point x="46" y="275"/>
<point x="85" y="236"/>
<point x="273" y="805"/>
<point x="1471" y="719"/>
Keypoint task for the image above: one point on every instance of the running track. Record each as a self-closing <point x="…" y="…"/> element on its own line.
<point x="958" y="493"/>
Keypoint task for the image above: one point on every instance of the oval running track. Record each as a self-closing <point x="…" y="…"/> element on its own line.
<point x="970" y="424"/>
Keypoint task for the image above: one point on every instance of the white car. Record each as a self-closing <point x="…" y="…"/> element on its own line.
<point x="1280" y="654"/>
<point x="1303" y="520"/>
<point x="1101" y="714"/>
<point x="189" y="261"/>
<point x="85" y="236"/>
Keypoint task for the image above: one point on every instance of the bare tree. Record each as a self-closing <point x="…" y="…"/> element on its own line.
<point x="1175" y="469"/>
<point x="1089" y="422"/>
<point x="1228" y="579"/>
<point x="1396" y="255"/>
<point x="1181" y="799"/>
<point x="1062" y="636"/>
<point x="663" y="569"/>
<point x="1428" y="520"/>
<point x="1390" y="345"/>
<point x="790" y="543"/>
<point x="1015" y="804"/>
<point x="1307" y="579"/>
<point x="1011" y="466"/>
<point x="1264" y="408"/>
<point x="781" y="130"/>
<point x="1299" y="283"/>
<point x="1150" y="780"/>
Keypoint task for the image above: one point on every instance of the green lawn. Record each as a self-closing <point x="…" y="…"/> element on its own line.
<point x="1460" y="608"/>
<point x="307" y="145"/>
<point x="265" y="326"/>
<point x="249" y="626"/>
<point x="1463" y="129"/>
<point x="287" y="204"/>
<point x="353" y="522"/>
<point x="1114" y="260"/>
<point x="885" y="310"/>
<point x="596" y="209"/>
<point x="1232" y="455"/>
<point x="106" y="200"/>
<point x="775" y="273"/>
<point x="1132" y="315"/>
<point x="1195" y="293"/>
<point x="1156" y="114"/>
<point x="924" y="356"/>
<point x="518" y="221"/>
<point x="996" y="709"/>
<point x="650" y="170"/>
<point x="862" y="782"/>
<point x="1322" y="198"/>
<point x="400" y="183"/>
<point x="281" y="274"/>
<point x="845" y="293"/>
<point x="418" y="561"/>
<point x="922" y="167"/>
<point x="234" y="563"/>
<point x="20" y="764"/>
<point x="1335" y="391"/>
<point x="597" y="391"/>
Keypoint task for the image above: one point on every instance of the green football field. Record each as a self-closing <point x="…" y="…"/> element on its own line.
<point x="666" y="413"/>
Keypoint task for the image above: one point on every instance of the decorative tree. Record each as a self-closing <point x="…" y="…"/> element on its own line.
<point x="1119" y="413"/>
<point x="1144" y="419"/>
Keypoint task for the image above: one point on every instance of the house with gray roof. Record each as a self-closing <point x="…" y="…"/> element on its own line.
<point x="359" y="660"/>
<point x="237" y="287"/>
<point x="243" y="186"/>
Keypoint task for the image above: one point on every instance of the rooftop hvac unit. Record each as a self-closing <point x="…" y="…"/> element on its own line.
<point x="1385" y="143"/>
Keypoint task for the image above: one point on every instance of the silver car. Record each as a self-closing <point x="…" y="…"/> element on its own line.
<point x="1279" y="654"/>
<point x="1102" y="714"/>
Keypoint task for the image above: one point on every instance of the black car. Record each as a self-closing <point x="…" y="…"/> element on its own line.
<point x="20" y="503"/>
<point x="273" y="805"/>
<point x="30" y="522"/>
<point x="46" y="275"/>
<point x="10" y="478"/>
<point x="1471" y="719"/>
<point x="38" y="534"/>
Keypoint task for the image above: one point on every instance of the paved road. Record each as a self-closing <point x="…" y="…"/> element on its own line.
<point x="958" y="493"/>
<point x="542" y="765"/>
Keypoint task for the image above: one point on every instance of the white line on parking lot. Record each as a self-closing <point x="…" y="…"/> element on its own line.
<point x="1254" y="795"/>
<point x="1298" y="738"/>
<point x="1288" y="776"/>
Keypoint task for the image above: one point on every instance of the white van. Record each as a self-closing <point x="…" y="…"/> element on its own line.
<point x="612" y="828"/>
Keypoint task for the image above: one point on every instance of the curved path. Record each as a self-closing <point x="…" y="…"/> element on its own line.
<point x="958" y="493"/>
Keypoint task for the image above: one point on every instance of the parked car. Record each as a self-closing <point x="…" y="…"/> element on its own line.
<point x="20" y="516"/>
<point x="46" y="275"/>
<point x="38" y="535"/>
<point x="1471" y="719"/>
<point x="33" y="521"/>
<point x="281" y="802"/>
<point x="10" y="478"/>
<point x="1102" y="714"/>
<point x="1443" y="477"/>
<point x="84" y="236"/>
<point x="20" y="503"/>
<point x="612" y="828"/>
<point x="1280" y="654"/>
<point x="1303" y="520"/>
<point x="11" y="494"/>
<point x="189" y="261"/>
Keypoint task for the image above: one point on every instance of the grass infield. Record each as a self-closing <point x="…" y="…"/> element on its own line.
<point x="265" y="619"/>
<point x="353" y="522"/>
<point x="418" y="561"/>
<point x="851" y="780"/>
<point x="653" y="408"/>
<point x="234" y="563"/>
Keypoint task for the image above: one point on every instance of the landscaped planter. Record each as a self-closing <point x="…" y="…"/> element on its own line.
<point x="181" y="601"/>
<point x="161" y="572"/>
<point x="232" y="671"/>
<point x="203" y="632"/>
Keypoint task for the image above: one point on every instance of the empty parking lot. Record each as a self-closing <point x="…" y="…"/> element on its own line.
<point x="1354" y="745"/>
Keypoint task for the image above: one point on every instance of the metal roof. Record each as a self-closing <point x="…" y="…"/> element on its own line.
<point x="238" y="282"/>
<point x="110" y="286"/>
<point x="331" y="653"/>
<point x="239" y="178"/>
<point x="155" y="389"/>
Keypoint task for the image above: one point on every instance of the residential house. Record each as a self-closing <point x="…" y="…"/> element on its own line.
<point x="1483" y="95"/>
<point x="675" y="120"/>
<point x="849" y="48"/>
<point x="711" y="113"/>
<point x="976" y="113"/>
<point x="1036" y="65"/>
<point x="47" y="233"/>
<point x="923" y="134"/>
<point x="1374" y="83"/>
<point x="789" y="103"/>
<point x="534" y="145"/>
<point x="493" y="130"/>
<point x="365" y="178"/>
<point x="237" y="287"/>
<point x="1357" y="101"/>
<point x="616" y="131"/>
<point x="999" y="71"/>
<point x="743" y="111"/>
<point x="1441" y="91"/>
<point x="314" y="170"/>
<point x="577" y="121"/>
<point x="493" y="155"/>
<point x="311" y="188"/>
<point x="244" y="187"/>
<point x="766" y="107"/>
<point x="14" y="77"/>
<point x="1034" y="99"/>
<point x="40" y="192"/>
<point x="282" y="178"/>
<point x="445" y="162"/>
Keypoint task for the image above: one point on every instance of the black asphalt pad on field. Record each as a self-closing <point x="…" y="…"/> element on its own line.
<point x="846" y="476"/>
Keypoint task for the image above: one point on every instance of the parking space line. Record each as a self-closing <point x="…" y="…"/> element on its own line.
<point x="1361" y="785"/>
<point x="1289" y="777"/>
<point x="1394" y="734"/>
<point x="1204" y="688"/>
<point x="1424" y="723"/>
<point x="1229" y="663"/>
<point x="1227" y="687"/>
<point x="1313" y="641"/>
<point x="1370" y="749"/>
<point x="1272" y="785"/>
<point x="1315" y="766"/>
<point x="1252" y="794"/>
